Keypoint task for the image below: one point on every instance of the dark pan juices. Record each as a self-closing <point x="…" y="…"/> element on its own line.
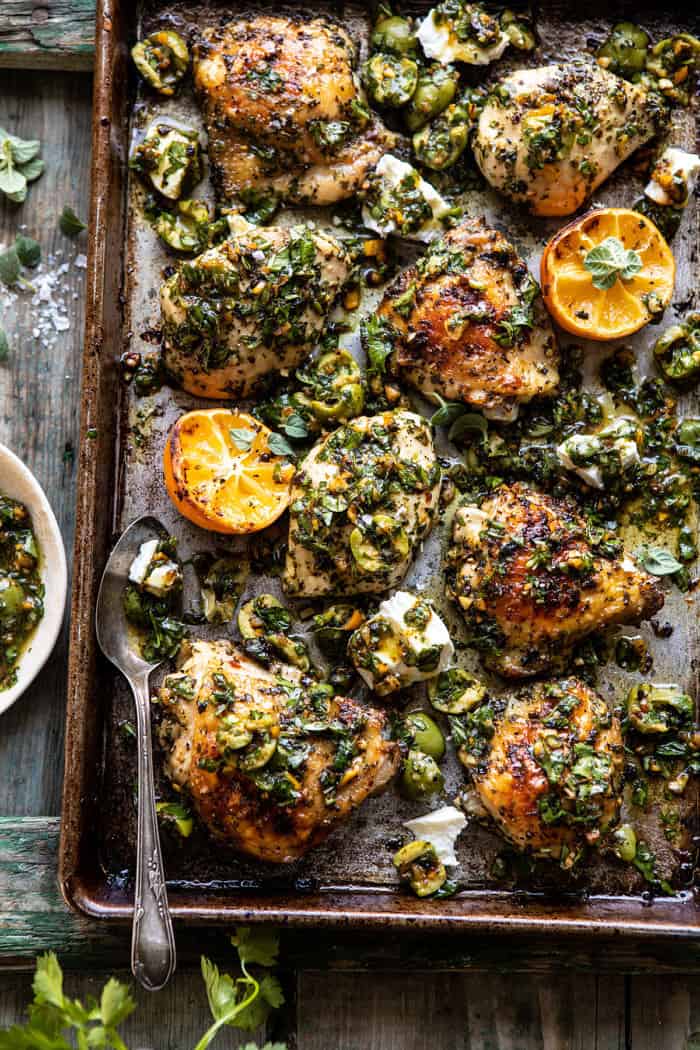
<point x="21" y="589"/>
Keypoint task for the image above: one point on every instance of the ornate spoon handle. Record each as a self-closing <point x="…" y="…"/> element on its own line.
<point x="152" y="940"/>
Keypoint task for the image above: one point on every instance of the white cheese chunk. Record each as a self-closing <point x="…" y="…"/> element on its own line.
<point x="395" y="660"/>
<point x="590" y="446"/>
<point x="140" y="564"/>
<point x="391" y="172"/>
<point x="439" y="42"/>
<point x="673" y="177"/>
<point x="441" y="829"/>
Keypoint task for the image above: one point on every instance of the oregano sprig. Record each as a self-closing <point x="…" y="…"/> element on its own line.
<point x="609" y="261"/>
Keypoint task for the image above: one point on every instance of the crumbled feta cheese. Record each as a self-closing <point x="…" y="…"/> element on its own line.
<point x="441" y="829"/>
<point x="439" y="42"/>
<point x="673" y="177"/>
<point x="403" y="643"/>
<point x="157" y="579"/>
<point x="141" y="563"/>
<point x="385" y="183"/>
<point x="580" y="452"/>
<point x="504" y="413"/>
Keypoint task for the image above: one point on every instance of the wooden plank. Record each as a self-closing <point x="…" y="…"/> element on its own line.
<point x="47" y="34"/>
<point x="40" y="390"/>
<point x="460" y="1012"/>
<point x="663" y="1013"/>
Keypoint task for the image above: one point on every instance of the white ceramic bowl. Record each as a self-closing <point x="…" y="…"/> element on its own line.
<point x="18" y="482"/>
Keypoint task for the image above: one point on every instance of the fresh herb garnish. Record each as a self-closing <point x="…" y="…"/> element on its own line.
<point x="279" y="446"/>
<point x="242" y="438"/>
<point x="657" y="561"/>
<point x="610" y="260"/>
<point x="10" y="268"/>
<point x="19" y="165"/>
<point x="70" y="224"/>
<point x="28" y="251"/>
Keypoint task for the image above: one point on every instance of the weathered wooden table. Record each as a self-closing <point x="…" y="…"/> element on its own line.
<point x="343" y="993"/>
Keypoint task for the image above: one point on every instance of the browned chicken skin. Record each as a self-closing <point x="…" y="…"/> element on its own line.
<point x="551" y="779"/>
<point x="284" y="110"/>
<point x="460" y="315"/>
<point x="530" y="583"/>
<point x="239" y="744"/>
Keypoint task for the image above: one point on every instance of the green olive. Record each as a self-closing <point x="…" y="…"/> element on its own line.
<point x="437" y="86"/>
<point x="336" y="382"/>
<point x="518" y="31"/>
<point x="421" y="776"/>
<point x="12" y="598"/>
<point x="232" y="734"/>
<point x="625" y="842"/>
<point x="418" y="865"/>
<point x="261" y="613"/>
<point x="179" y="815"/>
<point x="672" y="62"/>
<point x="383" y="543"/>
<point x="390" y="80"/>
<point x="688" y="440"/>
<point x="658" y="709"/>
<point x="336" y="624"/>
<point x="677" y="351"/>
<point x="394" y="35"/>
<point x="259" y="754"/>
<point x="187" y="228"/>
<point x="162" y="60"/>
<point x="292" y="650"/>
<point x="625" y="50"/>
<point x="455" y="692"/>
<point x="263" y="623"/>
<point x="425" y="734"/>
<point x="443" y="141"/>
<point x="170" y="158"/>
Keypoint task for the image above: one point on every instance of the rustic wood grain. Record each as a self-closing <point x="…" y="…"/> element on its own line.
<point x="460" y="1012"/>
<point x="47" y="34"/>
<point x="40" y="392"/>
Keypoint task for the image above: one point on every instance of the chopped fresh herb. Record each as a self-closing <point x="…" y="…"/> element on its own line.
<point x="70" y="224"/>
<point x="610" y="260"/>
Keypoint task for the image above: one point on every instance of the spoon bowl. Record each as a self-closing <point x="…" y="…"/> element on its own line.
<point x="152" y="941"/>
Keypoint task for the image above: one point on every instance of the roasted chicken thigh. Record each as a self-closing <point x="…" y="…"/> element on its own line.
<point x="550" y="775"/>
<point x="284" y="110"/>
<point x="549" y="136"/>
<point x="531" y="581"/>
<point x="468" y="323"/>
<point x="270" y="764"/>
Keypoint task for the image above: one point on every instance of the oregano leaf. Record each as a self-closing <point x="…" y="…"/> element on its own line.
<point x="28" y="251"/>
<point x="9" y="267"/>
<point x="70" y="224"/>
<point x="657" y="561"/>
<point x="610" y="260"/>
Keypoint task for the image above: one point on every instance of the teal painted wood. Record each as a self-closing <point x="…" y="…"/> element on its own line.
<point x="53" y="34"/>
<point x="40" y="390"/>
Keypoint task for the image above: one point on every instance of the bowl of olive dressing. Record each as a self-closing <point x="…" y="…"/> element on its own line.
<point x="33" y="578"/>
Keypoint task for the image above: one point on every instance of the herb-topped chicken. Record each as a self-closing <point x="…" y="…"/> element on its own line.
<point x="284" y="110"/>
<point x="549" y="136"/>
<point x="548" y="769"/>
<point x="255" y="304"/>
<point x="362" y="501"/>
<point x="270" y="764"/>
<point x="467" y="322"/>
<point x="532" y="579"/>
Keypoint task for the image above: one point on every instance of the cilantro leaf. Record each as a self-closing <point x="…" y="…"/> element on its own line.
<point x="279" y="446"/>
<point x="116" y="1003"/>
<point x="657" y="561"/>
<point x="242" y="438"/>
<point x="256" y="945"/>
<point x="270" y="997"/>
<point x="70" y="224"/>
<point x="48" y="981"/>
<point x="610" y="260"/>
<point x="28" y="251"/>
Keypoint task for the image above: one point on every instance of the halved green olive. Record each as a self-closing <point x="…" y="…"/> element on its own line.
<point x="672" y="61"/>
<point x="421" y="776"/>
<point x="442" y="142"/>
<point x="518" y="30"/>
<point x="162" y="60"/>
<point x="625" y="50"/>
<point x="179" y="815"/>
<point x="657" y="709"/>
<point x="260" y="614"/>
<point x="169" y="157"/>
<point x="384" y="543"/>
<point x="390" y="80"/>
<point x="12" y="598"/>
<point x="232" y="734"/>
<point x="264" y="622"/>
<point x="336" y="624"/>
<point x="259" y="754"/>
<point x="187" y="228"/>
<point x="688" y="440"/>
<point x="437" y="86"/>
<point x="425" y="734"/>
<point x="394" y="35"/>
<point x="337" y="383"/>
<point x="456" y="691"/>
<point x="418" y="865"/>
<point x="625" y="842"/>
<point x="677" y="351"/>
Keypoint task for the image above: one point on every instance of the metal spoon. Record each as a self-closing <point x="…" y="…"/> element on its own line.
<point x="152" y="940"/>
